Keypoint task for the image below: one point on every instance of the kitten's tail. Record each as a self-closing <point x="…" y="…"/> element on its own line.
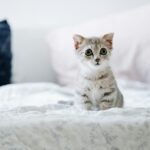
<point x="66" y="102"/>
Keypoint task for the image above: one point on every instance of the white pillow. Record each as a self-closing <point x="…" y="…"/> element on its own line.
<point x="131" y="52"/>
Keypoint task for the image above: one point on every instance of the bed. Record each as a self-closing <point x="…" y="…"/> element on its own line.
<point x="41" y="115"/>
<point x="34" y="117"/>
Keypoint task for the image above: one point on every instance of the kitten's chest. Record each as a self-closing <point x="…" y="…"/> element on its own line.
<point x="96" y="93"/>
<point x="95" y="85"/>
<point x="94" y="89"/>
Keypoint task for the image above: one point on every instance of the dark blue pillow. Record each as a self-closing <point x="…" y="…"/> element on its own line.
<point x="5" y="53"/>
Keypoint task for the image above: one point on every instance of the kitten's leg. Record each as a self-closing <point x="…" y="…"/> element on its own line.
<point x="105" y="104"/>
<point x="107" y="100"/>
<point x="86" y="102"/>
<point x="83" y="99"/>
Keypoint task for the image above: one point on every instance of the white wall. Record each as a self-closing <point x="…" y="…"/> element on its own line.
<point x="55" y="13"/>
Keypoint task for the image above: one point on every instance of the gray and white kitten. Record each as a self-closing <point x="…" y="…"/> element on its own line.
<point x="97" y="88"/>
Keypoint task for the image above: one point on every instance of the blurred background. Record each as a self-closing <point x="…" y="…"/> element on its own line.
<point x="58" y="13"/>
<point x="36" y="38"/>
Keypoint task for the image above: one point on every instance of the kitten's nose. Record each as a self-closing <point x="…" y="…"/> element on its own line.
<point x="97" y="59"/>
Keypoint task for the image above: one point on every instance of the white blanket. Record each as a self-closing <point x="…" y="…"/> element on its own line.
<point x="32" y="119"/>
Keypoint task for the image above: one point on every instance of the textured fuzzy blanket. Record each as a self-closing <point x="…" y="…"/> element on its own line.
<point x="32" y="119"/>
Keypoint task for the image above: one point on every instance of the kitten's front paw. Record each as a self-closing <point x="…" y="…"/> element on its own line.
<point x="105" y="105"/>
<point x="88" y="105"/>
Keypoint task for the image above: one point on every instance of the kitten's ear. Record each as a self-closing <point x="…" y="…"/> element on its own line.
<point x="108" y="39"/>
<point x="78" y="39"/>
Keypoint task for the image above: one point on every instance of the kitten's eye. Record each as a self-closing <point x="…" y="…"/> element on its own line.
<point x="88" y="52"/>
<point x="103" y="51"/>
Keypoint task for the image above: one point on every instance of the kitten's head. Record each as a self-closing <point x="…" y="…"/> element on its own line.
<point x="93" y="52"/>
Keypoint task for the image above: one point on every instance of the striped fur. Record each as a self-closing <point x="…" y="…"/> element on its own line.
<point x="97" y="88"/>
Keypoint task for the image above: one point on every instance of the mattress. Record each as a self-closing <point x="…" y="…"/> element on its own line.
<point x="34" y="117"/>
